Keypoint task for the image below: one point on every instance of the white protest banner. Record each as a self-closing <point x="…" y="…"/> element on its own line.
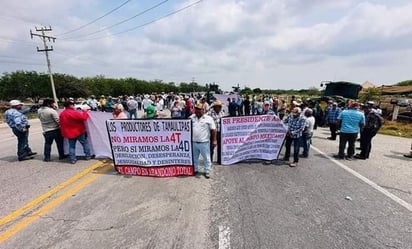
<point x="151" y="147"/>
<point x="251" y="137"/>
<point x="96" y="136"/>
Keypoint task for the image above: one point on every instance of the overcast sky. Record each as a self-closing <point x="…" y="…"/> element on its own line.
<point x="278" y="44"/>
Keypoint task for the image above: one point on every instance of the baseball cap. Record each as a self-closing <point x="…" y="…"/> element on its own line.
<point x="15" y="102"/>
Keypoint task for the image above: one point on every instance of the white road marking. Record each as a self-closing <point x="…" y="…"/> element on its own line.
<point x="224" y="237"/>
<point x="367" y="181"/>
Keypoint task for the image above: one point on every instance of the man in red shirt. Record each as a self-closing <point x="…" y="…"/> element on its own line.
<point x="74" y="129"/>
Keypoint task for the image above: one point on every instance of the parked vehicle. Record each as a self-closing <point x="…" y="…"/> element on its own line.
<point x="343" y="89"/>
<point x="403" y="102"/>
<point x="79" y="104"/>
<point x="404" y="117"/>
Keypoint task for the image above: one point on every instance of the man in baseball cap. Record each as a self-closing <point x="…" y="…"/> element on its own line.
<point x="19" y="124"/>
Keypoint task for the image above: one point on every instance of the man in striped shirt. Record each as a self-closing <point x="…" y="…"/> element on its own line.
<point x="296" y="124"/>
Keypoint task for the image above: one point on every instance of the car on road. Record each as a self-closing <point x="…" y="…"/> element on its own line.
<point x="79" y="104"/>
<point x="404" y="116"/>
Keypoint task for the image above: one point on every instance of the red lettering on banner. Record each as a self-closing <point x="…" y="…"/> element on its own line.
<point x="255" y="119"/>
<point x="253" y="137"/>
<point x="156" y="171"/>
<point x="233" y="140"/>
<point x="116" y="139"/>
<point x="175" y="138"/>
<point x="269" y="136"/>
<point x="141" y="139"/>
<point x="226" y="121"/>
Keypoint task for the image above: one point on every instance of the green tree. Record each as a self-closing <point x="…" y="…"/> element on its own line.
<point x="404" y="83"/>
<point x="370" y="94"/>
<point x="23" y="84"/>
<point x="313" y="91"/>
<point x="69" y="86"/>
<point x="246" y="90"/>
<point x="257" y="90"/>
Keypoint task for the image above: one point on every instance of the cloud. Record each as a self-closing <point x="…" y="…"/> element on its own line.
<point x="256" y="43"/>
<point x="367" y="28"/>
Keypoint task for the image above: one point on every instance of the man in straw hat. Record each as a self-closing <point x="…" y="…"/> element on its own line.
<point x="216" y="113"/>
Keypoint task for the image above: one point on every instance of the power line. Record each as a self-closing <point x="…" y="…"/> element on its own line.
<point x="19" y="19"/>
<point x="145" y="24"/>
<point x="95" y="20"/>
<point x="21" y="63"/>
<point x="14" y="40"/>
<point x="12" y="57"/>
<point x="126" y="20"/>
<point x="160" y="18"/>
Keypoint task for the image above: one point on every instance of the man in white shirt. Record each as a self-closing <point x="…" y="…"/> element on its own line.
<point x="93" y="103"/>
<point x="204" y="131"/>
<point x="146" y="102"/>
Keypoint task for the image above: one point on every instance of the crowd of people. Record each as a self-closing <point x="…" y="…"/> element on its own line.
<point x="345" y="120"/>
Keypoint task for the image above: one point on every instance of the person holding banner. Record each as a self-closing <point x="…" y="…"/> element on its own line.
<point x="266" y="109"/>
<point x="73" y="127"/>
<point x="296" y="124"/>
<point x="204" y="131"/>
<point x="216" y="113"/>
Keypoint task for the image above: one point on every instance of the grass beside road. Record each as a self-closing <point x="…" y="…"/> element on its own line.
<point x="398" y="129"/>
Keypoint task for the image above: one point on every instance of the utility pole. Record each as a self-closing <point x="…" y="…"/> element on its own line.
<point x="46" y="49"/>
<point x="236" y="89"/>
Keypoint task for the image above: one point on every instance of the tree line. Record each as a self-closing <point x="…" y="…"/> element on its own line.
<point x="34" y="85"/>
<point x="30" y="84"/>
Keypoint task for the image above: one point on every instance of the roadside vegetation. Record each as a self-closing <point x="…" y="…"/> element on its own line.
<point x="30" y="85"/>
<point x="398" y="129"/>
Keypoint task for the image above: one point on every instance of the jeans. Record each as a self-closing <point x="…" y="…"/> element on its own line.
<point x="49" y="137"/>
<point x="201" y="148"/>
<point x="349" y="138"/>
<point x="23" y="148"/>
<point x="296" y="147"/>
<point x="133" y="114"/>
<point x="306" y="142"/>
<point x="72" y="146"/>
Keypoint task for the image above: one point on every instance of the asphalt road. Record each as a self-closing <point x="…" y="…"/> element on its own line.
<point x="322" y="203"/>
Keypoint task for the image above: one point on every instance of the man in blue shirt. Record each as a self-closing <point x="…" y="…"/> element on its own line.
<point x="19" y="124"/>
<point x="350" y="121"/>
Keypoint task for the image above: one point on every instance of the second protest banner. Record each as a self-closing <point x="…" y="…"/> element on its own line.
<point x="251" y="137"/>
